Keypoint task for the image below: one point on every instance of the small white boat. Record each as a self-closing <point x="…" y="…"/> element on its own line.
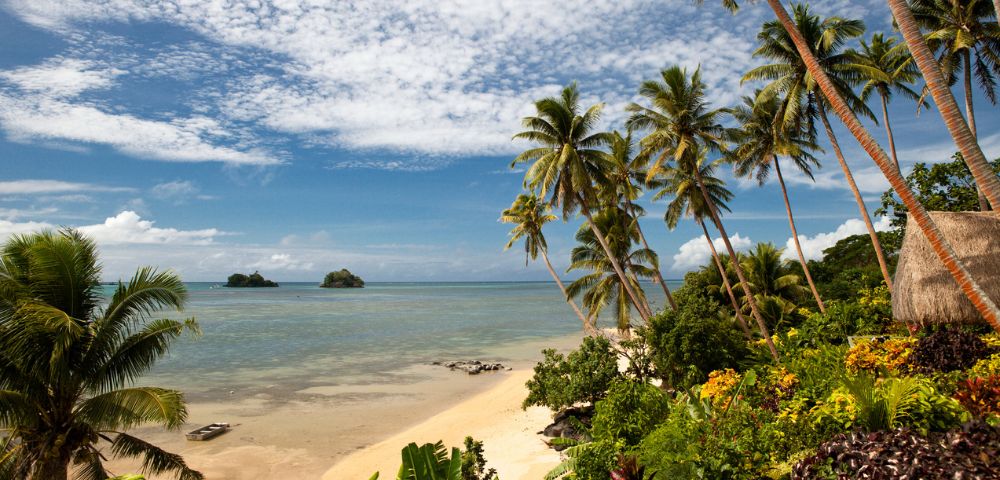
<point x="208" y="431"/>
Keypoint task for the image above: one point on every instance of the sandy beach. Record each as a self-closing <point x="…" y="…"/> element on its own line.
<point x="510" y="435"/>
<point x="350" y="430"/>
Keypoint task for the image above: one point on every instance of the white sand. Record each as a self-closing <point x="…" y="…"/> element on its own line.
<point x="511" y="442"/>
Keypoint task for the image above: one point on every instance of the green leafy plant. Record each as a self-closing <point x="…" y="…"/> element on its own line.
<point x="871" y="404"/>
<point x="474" y="462"/>
<point x="630" y="410"/>
<point x="583" y="376"/>
<point x="688" y="343"/>
<point x="430" y="462"/>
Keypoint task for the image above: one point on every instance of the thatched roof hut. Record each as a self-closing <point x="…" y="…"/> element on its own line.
<point x="923" y="290"/>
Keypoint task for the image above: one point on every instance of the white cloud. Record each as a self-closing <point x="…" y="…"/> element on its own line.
<point x="42" y="186"/>
<point x="282" y="261"/>
<point x="8" y="227"/>
<point x="128" y="228"/>
<point x="812" y="247"/>
<point x="178" y="192"/>
<point x="695" y="252"/>
<point x="61" y="77"/>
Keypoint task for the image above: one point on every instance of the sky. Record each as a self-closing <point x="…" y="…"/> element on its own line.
<point x="300" y="137"/>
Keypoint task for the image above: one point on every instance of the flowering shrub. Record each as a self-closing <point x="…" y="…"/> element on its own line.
<point x="890" y="355"/>
<point x="980" y="396"/>
<point x="719" y="385"/>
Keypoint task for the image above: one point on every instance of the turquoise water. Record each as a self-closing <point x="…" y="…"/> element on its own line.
<point x="299" y="334"/>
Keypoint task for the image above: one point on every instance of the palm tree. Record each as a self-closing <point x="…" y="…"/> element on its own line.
<point x="67" y="365"/>
<point x="568" y="162"/>
<point x="972" y="290"/>
<point x="689" y="201"/>
<point x="626" y="171"/>
<point x="802" y="101"/>
<point x="886" y="69"/>
<point x="677" y="117"/>
<point x="760" y="139"/>
<point x="940" y="89"/>
<point x="968" y="37"/>
<point x="680" y="126"/>
<point x="775" y="285"/>
<point x="602" y="286"/>
<point x="530" y="214"/>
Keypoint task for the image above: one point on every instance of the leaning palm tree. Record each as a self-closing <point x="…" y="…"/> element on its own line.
<point x="602" y="287"/>
<point x="885" y="68"/>
<point x="802" y="100"/>
<point x="624" y="185"/>
<point x="681" y="126"/>
<point x="530" y="214"/>
<point x="568" y="162"/>
<point x="939" y="84"/>
<point x="67" y="365"/>
<point x="688" y="200"/>
<point x="760" y="139"/>
<point x="968" y="38"/>
<point x="956" y="125"/>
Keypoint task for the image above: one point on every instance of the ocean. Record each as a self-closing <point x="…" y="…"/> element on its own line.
<point x="298" y="335"/>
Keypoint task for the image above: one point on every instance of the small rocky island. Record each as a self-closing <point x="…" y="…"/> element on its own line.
<point x="254" y="280"/>
<point x="342" y="279"/>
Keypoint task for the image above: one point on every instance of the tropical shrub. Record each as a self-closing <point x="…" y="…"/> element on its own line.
<point x="630" y="410"/>
<point x="947" y="350"/>
<point x="719" y="386"/>
<point x="688" y="343"/>
<point x="430" y="461"/>
<point x="878" y="355"/>
<point x="970" y="452"/>
<point x="474" y="462"/>
<point x="583" y="376"/>
<point x="980" y="396"/>
<point x="872" y="404"/>
<point x="986" y="367"/>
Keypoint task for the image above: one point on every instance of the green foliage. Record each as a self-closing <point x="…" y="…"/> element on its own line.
<point x="850" y="265"/>
<point x="67" y="366"/>
<point x="342" y="279"/>
<point x="688" y="343"/>
<point x="630" y="410"/>
<point x="474" y="462"/>
<point x="254" y="280"/>
<point x="430" y="462"/>
<point x="595" y="460"/>
<point x="582" y="376"/>
<point x="947" y="187"/>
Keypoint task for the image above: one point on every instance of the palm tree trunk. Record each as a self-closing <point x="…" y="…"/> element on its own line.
<point x="49" y="468"/>
<point x="970" y="114"/>
<point x="940" y="245"/>
<point x="736" y="266"/>
<point x="795" y="237"/>
<point x="587" y="327"/>
<point x="656" y="268"/>
<point x="872" y="234"/>
<point x="888" y="129"/>
<point x="643" y="310"/>
<point x="725" y="281"/>
<point x="962" y="132"/>
<point x="996" y="9"/>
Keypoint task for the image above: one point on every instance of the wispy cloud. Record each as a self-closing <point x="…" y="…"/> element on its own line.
<point x="41" y="186"/>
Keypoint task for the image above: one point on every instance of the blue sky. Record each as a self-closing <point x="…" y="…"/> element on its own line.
<point x="296" y="139"/>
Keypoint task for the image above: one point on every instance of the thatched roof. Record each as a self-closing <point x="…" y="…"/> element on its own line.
<point x="924" y="292"/>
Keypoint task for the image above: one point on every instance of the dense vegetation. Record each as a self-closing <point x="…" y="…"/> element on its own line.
<point x="254" y="280"/>
<point x="342" y="279"/>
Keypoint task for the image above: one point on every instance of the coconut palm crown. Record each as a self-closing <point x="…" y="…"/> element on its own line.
<point x="529" y="214"/>
<point x="67" y="363"/>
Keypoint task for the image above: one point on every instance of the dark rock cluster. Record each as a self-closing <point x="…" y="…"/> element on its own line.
<point x="473" y="367"/>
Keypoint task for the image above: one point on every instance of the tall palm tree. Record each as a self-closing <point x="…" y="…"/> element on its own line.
<point x="885" y="69"/>
<point x="760" y="139"/>
<point x="968" y="38"/>
<point x="602" y="286"/>
<point x="624" y="181"/>
<point x="530" y="214"/>
<point x="789" y="75"/>
<point x="681" y="125"/>
<point x="956" y="125"/>
<point x="677" y="116"/>
<point x="940" y="88"/>
<point x="568" y="162"/>
<point x="688" y="200"/>
<point x="67" y="365"/>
